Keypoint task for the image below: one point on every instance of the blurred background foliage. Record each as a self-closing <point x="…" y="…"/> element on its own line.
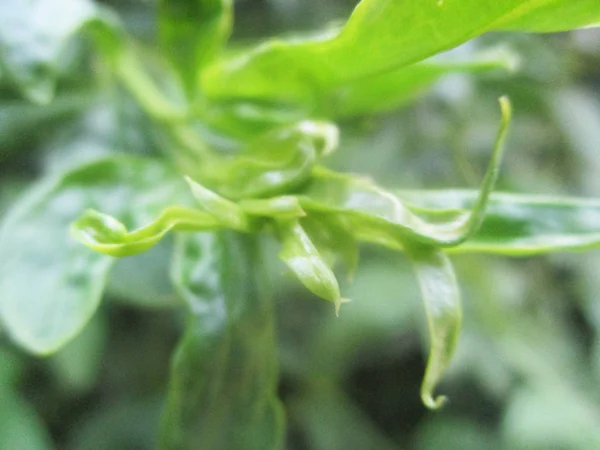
<point x="527" y="369"/>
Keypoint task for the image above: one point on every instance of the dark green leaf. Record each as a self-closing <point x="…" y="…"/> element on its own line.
<point x="222" y="392"/>
<point x="192" y="33"/>
<point x="33" y="35"/>
<point x="50" y="285"/>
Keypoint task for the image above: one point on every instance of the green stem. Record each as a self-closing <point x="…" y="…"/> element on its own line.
<point x="222" y="392"/>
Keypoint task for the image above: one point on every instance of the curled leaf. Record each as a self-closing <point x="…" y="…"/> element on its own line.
<point x="274" y="163"/>
<point x="302" y="257"/>
<point x="379" y="216"/>
<point x="442" y="306"/>
<point x="518" y="224"/>
<point x="107" y="235"/>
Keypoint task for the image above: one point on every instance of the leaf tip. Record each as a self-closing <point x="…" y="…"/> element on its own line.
<point x="433" y="403"/>
<point x="338" y="305"/>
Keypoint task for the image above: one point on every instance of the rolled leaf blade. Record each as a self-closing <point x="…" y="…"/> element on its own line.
<point x="105" y="234"/>
<point x="441" y="297"/>
<point x="380" y="216"/>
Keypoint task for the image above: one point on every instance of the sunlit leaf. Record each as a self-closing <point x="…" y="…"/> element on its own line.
<point x="372" y="43"/>
<point x="107" y="235"/>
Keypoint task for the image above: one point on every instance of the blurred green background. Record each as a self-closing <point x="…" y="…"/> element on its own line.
<point x="527" y="371"/>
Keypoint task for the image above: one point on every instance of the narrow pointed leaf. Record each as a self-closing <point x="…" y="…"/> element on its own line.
<point x="50" y="285"/>
<point x="303" y="258"/>
<point x="442" y="306"/>
<point x="223" y="385"/>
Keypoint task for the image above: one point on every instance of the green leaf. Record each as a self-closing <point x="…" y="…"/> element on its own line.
<point x="222" y="392"/>
<point x="50" y="285"/>
<point x="274" y="163"/>
<point x="303" y="258"/>
<point x="389" y="90"/>
<point x="372" y="43"/>
<point x="517" y="224"/>
<point x="376" y="215"/>
<point x="107" y="235"/>
<point x="224" y="211"/>
<point x="33" y="35"/>
<point x="192" y="33"/>
<point x="442" y="305"/>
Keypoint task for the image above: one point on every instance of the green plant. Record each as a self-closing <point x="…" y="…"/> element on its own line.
<point x="248" y="131"/>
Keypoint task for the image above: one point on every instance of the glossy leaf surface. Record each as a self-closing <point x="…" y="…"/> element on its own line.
<point x="222" y="392"/>
<point x="372" y="43"/>
<point x="50" y="285"/>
